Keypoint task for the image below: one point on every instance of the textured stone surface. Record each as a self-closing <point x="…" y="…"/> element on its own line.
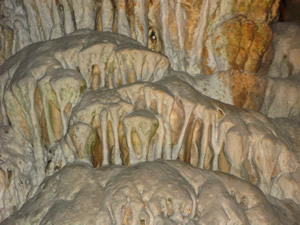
<point x="18" y="176"/>
<point x="207" y="36"/>
<point x="198" y="37"/>
<point x="83" y="101"/>
<point x="108" y="101"/>
<point x="151" y="193"/>
<point x="241" y="89"/>
<point x="282" y="97"/>
<point x="286" y="45"/>
<point x="283" y="85"/>
<point x="6" y="40"/>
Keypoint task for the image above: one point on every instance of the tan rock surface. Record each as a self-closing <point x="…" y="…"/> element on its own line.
<point x="161" y="192"/>
<point x="197" y="36"/>
<point x="18" y="175"/>
<point x="104" y="99"/>
<point x="77" y="118"/>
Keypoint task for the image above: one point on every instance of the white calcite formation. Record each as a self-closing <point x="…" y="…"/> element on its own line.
<point x="104" y="99"/>
<point x="193" y="34"/>
<point x="226" y="40"/>
<point x="73" y="99"/>
<point x="152" y="193"/>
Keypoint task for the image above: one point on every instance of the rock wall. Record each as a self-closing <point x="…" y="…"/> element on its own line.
<point x="199" y="37"/>
<point x="72" y="98"/>
<point x="104" y="99"/>
<point x="193" y="34"/>
<point x="161" y="192"/>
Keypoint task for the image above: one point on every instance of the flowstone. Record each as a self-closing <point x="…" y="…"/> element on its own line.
<point x="104" y="99"/>
<point x="99" y="128"/>
<point x="154" y="193"/>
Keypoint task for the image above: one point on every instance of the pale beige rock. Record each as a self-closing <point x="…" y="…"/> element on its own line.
<point x="187" y="32"/>
<point x="161" y="192"/>
<point x="282" y="89"/>
<point x="198" y="37"/>
<point x="6" y="40"/>
<point x="104" y="99"/>
<point x="282" y="97"/>
<point x="18" y="172"/>
<point x="211" y="135"/>
<point x="286" y="46"/>
<point x="142" y="121"/>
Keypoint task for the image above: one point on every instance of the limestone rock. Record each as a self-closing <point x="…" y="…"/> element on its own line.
<point x="197" y="36"/>
<point x="6" y="40"/>
<point x="286" y="46"/>
<point x="282" y="97"/>
<point x="45" y="81"/>
<point x="150" y="193"/>
<point x="108" y="101"/>
<point x="242" y="89"/>
<point x="282" y="88"/>
<point x="86" y="101"/>
<point x="18" y="174"/>
<point x="169" y="120"/>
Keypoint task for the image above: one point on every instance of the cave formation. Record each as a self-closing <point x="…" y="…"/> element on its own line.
<point x="149" y="112"/>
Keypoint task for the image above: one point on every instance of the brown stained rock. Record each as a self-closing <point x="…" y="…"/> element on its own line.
<point x="177" y="29"/>
<point x="136" y="143"/>
<point x="240" y="44"/>
<point x="97" y="156"/>
<point x="146" y="121"/>
<point x="234" y="139"/>
<point x="67" y="110"/>
<point x="207" y="164"/>
<point x="248" y="30"/>
<point x="266" y="161"/>
<point x="131" y="77"/>
<point x="130" y="16"/>
<point x="195" y="145"/>
<point x="229" y="48"/>
<point x="55" y="119"/>
<point x="192" y="11"/>
<point x="155" y="41"/>
<point x="6" y="43"/>
<point x="140" y="127"/>
<point x="98" y="16"/>
<point x="124" y="151"/>
<point x="110" y="140"/>
<point x="247" y="90"/>
<point x="14" y="111"/>
<point x="2" y="189"/>
<point x="41" y="117"/>
<point x="260" y="44"/>
<point x="85" y="141"/>
<point x="260" y="9"/>
<point x="206" y="68"/>
<point x="251" y="171"/>
<point x="95" y="77"/>
<point x="176" y="122"/>
<point x="241" y="7"/>
<point x="223" y="163"/>
<point x="172" y="21"/>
